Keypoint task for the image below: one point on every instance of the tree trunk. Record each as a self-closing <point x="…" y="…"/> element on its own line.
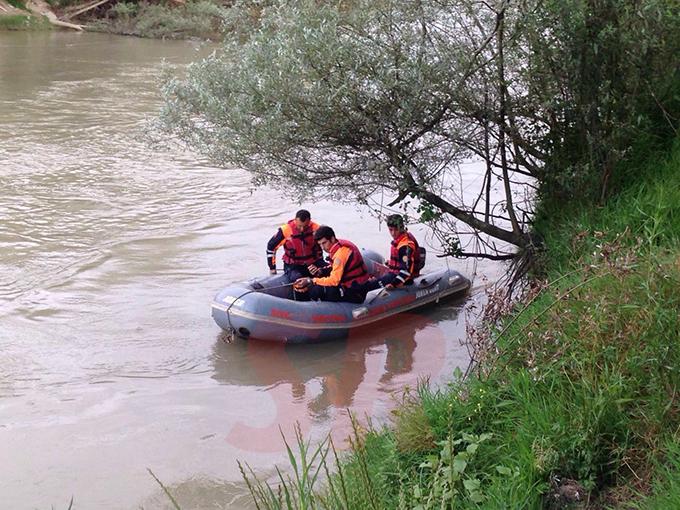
<point x="503" y="92"/>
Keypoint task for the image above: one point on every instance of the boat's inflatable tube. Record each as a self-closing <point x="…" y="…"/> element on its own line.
<point x="263" y="308"/>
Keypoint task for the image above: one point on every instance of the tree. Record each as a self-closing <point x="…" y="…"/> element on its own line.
<point x="350" y="99"/>
<point x="600" y="74"/>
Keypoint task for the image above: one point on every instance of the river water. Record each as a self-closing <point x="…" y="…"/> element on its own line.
<point x="110" y="253"/>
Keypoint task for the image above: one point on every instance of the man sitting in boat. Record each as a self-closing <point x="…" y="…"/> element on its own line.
<point x="299" y="248"/>
<point x="346" y="276"/>
<point x="406" y="257"/>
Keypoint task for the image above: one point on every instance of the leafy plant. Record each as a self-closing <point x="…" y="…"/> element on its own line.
<point x="448" y="475"/>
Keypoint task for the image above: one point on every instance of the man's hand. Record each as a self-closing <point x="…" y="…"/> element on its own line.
<point x="389" y="286"/>
<point x="302" y="283"/>
<point x="313" y="270"/>
<point x="272" y="271"/>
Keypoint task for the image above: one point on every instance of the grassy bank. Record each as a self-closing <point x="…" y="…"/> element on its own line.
<point x="201" y="19"/>
<point x="576" y="403"/>
<point x="15" y="16"/>
<point x="23" y="22"/>
<point x="197" y="19"/>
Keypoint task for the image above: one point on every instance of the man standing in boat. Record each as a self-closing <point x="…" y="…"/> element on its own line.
<point x="300" y="250"/>
<point x="406" y="257"/>
<point x="344" y="280"/>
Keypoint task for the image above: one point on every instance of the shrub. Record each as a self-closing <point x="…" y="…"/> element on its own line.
<point x="200" y="19"/>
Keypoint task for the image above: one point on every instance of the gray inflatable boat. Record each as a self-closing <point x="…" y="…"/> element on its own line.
<point x="264" y="309"/>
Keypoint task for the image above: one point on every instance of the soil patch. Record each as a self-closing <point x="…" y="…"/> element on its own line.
<point x="7" y="9"/>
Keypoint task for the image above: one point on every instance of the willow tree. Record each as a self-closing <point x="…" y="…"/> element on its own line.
<point x="355" y="98"/>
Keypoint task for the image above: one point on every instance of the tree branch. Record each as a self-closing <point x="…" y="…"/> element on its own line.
<point x="488" y="256"/>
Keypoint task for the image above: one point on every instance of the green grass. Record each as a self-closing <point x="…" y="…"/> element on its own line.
<point x="646" y="210"/>
<point x="582" y="396"/>
<point x="18" y="4"/>
<point x="21" y="22"/>
<point x="665" y="491"/>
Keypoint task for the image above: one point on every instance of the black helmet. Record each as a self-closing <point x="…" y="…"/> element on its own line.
<point x="396" y="221"/>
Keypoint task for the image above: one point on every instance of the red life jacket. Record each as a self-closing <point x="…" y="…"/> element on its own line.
<point x="406" y="239"/>
<point x="300" y="248"/>
<point x="355" y="270"/>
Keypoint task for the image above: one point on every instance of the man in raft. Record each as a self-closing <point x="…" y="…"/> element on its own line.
<point x="299" y="248"/>
<point x="344" y="280"/>
<point x="406" y="257"/>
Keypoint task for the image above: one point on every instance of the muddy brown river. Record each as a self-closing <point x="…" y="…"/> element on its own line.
<point x="110" y="253"/>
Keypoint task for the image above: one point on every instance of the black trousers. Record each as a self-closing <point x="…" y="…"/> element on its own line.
<point x="386" y="279"/>
<point x="295" y="271"/>
<point x="355" y="294"/>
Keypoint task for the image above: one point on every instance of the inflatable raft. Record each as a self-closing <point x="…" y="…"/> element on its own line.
<point x="264" y="309"/>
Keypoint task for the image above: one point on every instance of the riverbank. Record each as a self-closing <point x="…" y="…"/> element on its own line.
<point x="574" y="403"/>
<point x="201" y="19"/>
<point x="15" y="15"/>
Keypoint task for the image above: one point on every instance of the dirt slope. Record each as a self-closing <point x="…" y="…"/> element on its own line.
<point x="8" y="10"/>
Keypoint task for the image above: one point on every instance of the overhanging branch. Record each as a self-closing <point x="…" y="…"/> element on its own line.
<point x="488" y="256"/>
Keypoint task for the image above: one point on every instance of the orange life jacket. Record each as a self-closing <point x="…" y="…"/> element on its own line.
<point x="299" y="247"/>
<point x="406" y="239"/>
<point x="355" y="270"/>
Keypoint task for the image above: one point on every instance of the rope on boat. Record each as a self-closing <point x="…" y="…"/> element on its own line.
<point x="231" y="334"/>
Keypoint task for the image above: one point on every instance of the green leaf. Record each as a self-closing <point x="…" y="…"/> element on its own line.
<point x="470" y="438"/>
<point x="445" y="454"/>
<point x="463" y="455"/>
<point x="476" y="497"/>
<point x="504" y="470"/>
<point x="459" y="465"/>
<point x="472" y="484"/>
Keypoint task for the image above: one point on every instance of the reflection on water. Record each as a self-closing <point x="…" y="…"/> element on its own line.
<point x="110" y="253"/>
<point x="317" y="383"/>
